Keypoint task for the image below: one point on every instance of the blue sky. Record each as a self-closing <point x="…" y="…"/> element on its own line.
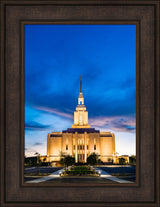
<point x="55" y="57"/>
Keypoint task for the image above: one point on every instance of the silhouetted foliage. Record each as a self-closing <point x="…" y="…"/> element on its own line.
<point x="93" y="159"/>
<point x="30" y="161"/>
<point x="121" y="161"/>
<point x="67" y="160"/>
<point x="132" y="160"/>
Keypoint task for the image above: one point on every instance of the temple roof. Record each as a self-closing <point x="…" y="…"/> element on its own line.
<point x="81" y="130"/>
<point x="55" y="135"/>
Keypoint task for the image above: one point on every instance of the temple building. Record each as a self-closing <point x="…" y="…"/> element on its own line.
<point x="81" y="140"/>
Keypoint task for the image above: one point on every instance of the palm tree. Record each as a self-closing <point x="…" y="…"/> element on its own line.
<point x="121" y="161"/>
<point x="38" y="162"/>
<point x="66" y="160"/>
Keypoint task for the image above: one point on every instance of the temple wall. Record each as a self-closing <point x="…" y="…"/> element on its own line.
<point x="67" y="141"/>
<point x="101" y="143"/>
<point x="53" y="148"/>
<point x="107" y="145"/>
<point x="94" y="140"/>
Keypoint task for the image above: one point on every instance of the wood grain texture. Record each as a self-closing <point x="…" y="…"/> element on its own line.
<point x="14" y="14"/>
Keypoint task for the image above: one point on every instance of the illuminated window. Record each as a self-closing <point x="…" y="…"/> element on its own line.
<point x="94" y="143"/>
<point x="66" y="146"/>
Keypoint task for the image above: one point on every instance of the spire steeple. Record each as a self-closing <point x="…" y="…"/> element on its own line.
<point x="81" y="114"/>
<point x="80" y="98"/>
<point x="80" y="84"/>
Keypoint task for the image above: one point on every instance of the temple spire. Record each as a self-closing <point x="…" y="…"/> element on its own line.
<point x="80" y="98"/>
<point x="81" y="113"/>
<point x="80" y="84"/>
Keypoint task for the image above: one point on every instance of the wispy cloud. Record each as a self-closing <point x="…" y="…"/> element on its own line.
<point x="30" y="152"/>
<point x="36" y="126"/>
<point x="54" y="111"/>
<point x="115" y="123"/>
<point x="38" y="144"/>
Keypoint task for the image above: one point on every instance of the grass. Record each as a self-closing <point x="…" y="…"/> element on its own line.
<point x="80" y="170"/>
<point x="37" y="174"/>
<point x="121" y="174"/>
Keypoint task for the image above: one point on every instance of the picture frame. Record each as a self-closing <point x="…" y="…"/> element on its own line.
<point x="16" y="13"/>
<point x="73" y="23"/>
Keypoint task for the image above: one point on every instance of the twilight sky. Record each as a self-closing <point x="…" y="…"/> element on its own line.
<point x="55" y="57"/>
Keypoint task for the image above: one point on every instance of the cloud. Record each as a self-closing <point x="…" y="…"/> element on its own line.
<point x="52" y="79"/>
<point x="115" y="123"/>
<point x="54" y="111"/>
<point x="111" y="102"/>
<point x="38" y="144"/>
<point x="36" y="126"/>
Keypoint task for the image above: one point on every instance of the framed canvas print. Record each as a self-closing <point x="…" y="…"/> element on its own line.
<point x="93" y="147"/>
<point x="80" y="103"/>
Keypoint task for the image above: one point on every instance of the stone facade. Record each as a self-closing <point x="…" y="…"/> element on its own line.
<point x="81" y="140"/>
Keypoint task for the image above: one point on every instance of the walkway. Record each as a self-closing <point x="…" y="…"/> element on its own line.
<point x="45" y="178"/>
<point x="56" y="175"/>
<point x="113" y="178"/>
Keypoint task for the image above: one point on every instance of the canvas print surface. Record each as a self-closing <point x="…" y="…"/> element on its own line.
<point x="80" y="103"/>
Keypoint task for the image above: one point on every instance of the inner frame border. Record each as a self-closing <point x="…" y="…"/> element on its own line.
<point x="22" y="87"/>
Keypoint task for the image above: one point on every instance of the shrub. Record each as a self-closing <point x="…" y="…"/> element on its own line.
<point x="93" y="159"/>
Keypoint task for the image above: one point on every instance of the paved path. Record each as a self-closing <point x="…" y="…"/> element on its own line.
<point x="56" y="175"/>
<point x="45" y="178"/>
<point x="81" y="179"/>
<point x="113" y="178"/>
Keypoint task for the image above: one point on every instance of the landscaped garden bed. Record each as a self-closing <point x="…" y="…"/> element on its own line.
<point x="80" y="171"/>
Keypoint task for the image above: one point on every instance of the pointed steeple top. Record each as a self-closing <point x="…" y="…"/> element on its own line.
<point x="80" y="84"/>
<point x="81" y="113"/>
<point x="80" y="98"/>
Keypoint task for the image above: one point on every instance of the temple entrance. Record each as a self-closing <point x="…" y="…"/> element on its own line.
<point x="81" y="158"/>
<point x="80" y="149"/>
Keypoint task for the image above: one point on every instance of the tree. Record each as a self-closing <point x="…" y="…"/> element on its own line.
<point x="109" y="159"/>
<point x="132" y="160"/>
<point x="30" y="161"/>
<point x="62" y="156"/>
<point x="26" y="161"/>
<point x="121" y="161"/>
<point x="38" y="162"/>
<point x="69" y="160"/>
<point x="66" y="160"/>
<point x="93" y="159"/>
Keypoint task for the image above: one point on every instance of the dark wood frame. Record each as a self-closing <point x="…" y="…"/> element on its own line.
<point x="143" y="13"/>
<point x="22" y="24"/>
